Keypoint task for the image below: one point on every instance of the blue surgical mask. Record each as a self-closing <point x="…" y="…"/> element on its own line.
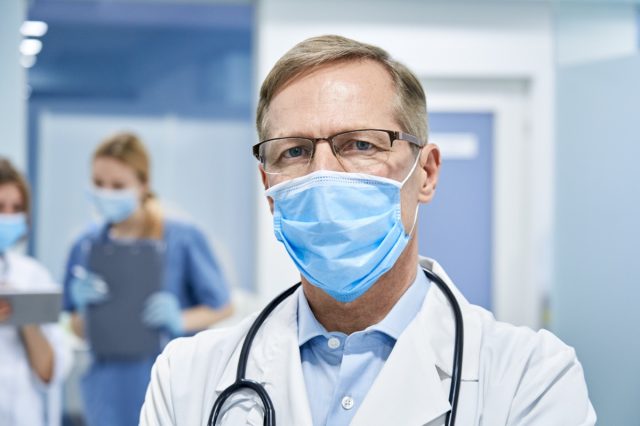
<point x="114" y="205"/>
<point x="342" y="230"/>
<point x="12" y="228"/>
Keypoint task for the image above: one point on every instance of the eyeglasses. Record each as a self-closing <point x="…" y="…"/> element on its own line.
<point x="357" y="151"/>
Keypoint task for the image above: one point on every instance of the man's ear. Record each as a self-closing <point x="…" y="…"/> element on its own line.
<point x="265" y="183"/>
<point x="430" y="163"/>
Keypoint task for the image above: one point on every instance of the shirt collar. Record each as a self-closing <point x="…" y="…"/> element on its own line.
<point x="398" y="318"/>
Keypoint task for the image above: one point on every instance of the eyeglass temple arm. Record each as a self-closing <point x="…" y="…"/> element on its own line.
<point x="407" y="137"/>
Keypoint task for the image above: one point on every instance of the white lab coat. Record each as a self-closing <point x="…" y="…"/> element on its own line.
<point x="511" y="375"/>
<point x="24" y="398"/>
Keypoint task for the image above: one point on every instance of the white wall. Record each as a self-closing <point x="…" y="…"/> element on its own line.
<point x="12" y="84"/>
<point x="438" y="40"/>
<point x="590" y="32"/>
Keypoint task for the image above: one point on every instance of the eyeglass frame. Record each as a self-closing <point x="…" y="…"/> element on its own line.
<point x="394" y="135"/>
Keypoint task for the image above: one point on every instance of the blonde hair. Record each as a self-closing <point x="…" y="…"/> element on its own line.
<point x="9" y="175"/>
<point x="410" y="106"/>
<point x="128" y="149"/>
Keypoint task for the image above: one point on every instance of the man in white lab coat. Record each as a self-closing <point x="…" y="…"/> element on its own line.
<point x="368" y="339"/>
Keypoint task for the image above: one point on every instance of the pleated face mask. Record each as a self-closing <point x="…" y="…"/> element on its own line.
<point x="342" y="230"/>
<point x="114" y="205"/>
<point x="12" y="228"/>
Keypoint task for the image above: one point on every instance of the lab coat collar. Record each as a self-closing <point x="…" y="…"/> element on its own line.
<point x="409" y="371"/>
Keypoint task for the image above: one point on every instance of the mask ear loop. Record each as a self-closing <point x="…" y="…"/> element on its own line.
<point x="413" y="169"/>
<point x="415" y="220"/>
<point x="415" y="216"/>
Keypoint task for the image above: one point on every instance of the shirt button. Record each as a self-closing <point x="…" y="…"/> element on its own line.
<point x="347" y="403"/>
<point x="333" y="342"/>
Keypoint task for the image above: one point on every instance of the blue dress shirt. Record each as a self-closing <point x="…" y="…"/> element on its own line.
<point x="338" y="369"/>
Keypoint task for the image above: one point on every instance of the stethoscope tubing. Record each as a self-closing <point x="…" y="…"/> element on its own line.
<point x="241" y="382"/>
<point x="458" y="349"/>
<point x="269" y="411"/>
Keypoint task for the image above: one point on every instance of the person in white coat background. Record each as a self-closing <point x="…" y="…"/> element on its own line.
<point x="33" y="358"/>
<point x="367" y="339"/>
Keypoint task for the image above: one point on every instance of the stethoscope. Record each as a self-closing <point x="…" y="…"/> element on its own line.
<point x="269" y="412"/>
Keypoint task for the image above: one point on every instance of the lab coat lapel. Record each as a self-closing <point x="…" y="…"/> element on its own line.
<point x="413" y="387"/>
<point x="408" y="389"/>
<point x="439" y="327"/>
<point x="284" y="368"/>
<point x="274" y="361"/>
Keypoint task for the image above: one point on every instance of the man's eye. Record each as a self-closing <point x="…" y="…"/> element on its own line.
<point x="362" y="145"/>
<point x="355" y="146"/>
<point x="294" y="152"/>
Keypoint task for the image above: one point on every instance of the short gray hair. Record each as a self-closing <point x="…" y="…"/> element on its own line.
<point x="410" y="106"/>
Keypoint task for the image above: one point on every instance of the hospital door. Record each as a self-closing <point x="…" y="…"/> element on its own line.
<point x="456" y="227"/>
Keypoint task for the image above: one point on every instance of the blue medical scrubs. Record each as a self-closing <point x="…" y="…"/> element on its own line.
<point x="113" y="390"/>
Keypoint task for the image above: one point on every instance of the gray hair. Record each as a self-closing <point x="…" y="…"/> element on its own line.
<point x="410" y="105"/>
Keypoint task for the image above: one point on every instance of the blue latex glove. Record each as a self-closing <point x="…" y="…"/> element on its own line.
<point x="162" y="310"/>
<point x="87" y="288"/>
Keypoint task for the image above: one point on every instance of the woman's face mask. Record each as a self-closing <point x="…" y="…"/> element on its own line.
<point x="116" y="189"/>
<point x="114" y="206"/>
<point x="13" y="220"/>
<point x="12" y="228"/>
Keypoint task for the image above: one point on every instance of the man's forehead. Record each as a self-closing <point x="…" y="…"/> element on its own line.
<point x="342" y="73"/>
<point x="334" y="97"/>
